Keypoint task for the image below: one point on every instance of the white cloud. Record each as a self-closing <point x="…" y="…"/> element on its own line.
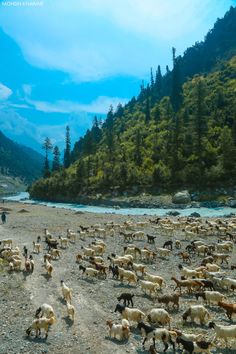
<point x="5" y="92"/>
<point x="100" y="105"/>
<point x="95" y="39"/>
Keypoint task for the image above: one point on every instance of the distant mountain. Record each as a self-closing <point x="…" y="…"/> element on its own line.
<point x="179" y="132"/>
<point x="19" y="161"/>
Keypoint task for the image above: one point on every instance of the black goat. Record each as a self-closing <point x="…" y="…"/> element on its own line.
<point x="127" y="297"/>
<point x="168" y="244"/>
<point x="194" y="347"/>
<point x="151" y="238"/>
<point x="115" y="271"/>
<point x="157" y="333"/>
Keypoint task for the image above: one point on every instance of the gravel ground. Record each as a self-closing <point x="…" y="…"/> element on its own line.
<point x="94" y="300"/>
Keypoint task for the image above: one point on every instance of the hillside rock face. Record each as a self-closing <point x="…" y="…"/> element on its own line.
<point x="182" y="197"/>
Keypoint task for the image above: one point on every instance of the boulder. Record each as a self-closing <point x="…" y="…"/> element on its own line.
<point x="172" y="213"/>
<point x="195" y="215"/>
<point x="182" y="197"/>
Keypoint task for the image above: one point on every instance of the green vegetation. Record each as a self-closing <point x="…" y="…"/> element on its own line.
<point x="177" y="132"/>
<point x="19" y="161"/>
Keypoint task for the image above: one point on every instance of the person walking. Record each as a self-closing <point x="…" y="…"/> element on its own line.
<point x="4" y="217"/>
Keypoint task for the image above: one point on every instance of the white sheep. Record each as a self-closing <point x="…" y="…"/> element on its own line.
<point x="7" y="243"/>
<point x="119" y="331"/>
<point x="159" y="315"/>
<point x="223" y="332"/>
<point x="155" y="279"/>
<point x="70" y="311"/>
<point x="49" y="267"/>
<point x="40" y="323"/>
<point x="211" y="296"/>
<point x="66" y="292"/>
<point x="130" y="314"/>
<point x="131" y="277"/>
<point x="163" y="252"/>
<point x="64" y="242"/>
<point x="37" y="248"/>
<point x="196" y="311"/>
<point x="45" y="310"/>
<point x="147" y="285"/>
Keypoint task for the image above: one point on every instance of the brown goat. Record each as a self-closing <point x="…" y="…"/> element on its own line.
<point x="230" y="308"/>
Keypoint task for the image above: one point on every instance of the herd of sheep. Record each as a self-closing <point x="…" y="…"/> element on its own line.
<point x="204" y="251"/>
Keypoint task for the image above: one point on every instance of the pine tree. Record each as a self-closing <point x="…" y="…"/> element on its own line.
<point x="138" y="144"/>
<point x="67" y="151"/>
<point x="147" y="111"/>
<point x="56" y="159"/>
<point x="176" y="90"/>
<point x="158" y="83"/>
<point x="47" y="146"/>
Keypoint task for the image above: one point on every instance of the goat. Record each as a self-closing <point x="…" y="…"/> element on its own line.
<point x="230" y="308"/>
<point x="127" y="298"/>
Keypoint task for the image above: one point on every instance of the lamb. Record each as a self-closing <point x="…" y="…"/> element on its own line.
<point x="150" y="286"/>
<point x="223" y="332"/>
<point x="7" y="243"/>
<point x="153" y="333"/>
<point x="155" y="279"/>
<point x="48" y="267"/>
<point x="166" y="299"/>
<point x="230" y="308"/>
<point x="66" y="292"/>
<point x="160" y="316"/>
<point x="189" y="273"/>
<point x="64" y="242"/>
<point x="89" y="272"/>
<point x="129" y="314"/>
<point x="37" y="248"/>
<point x="210" y="296"/>
<point x="45" y="310"/>
<point x="119" y="331"/>
<point x="195" y="347"/>
<point x="70" y="311"/>
<point x="126" y="297"/>
<point x="40" y="323"/>
<point x="196" y="311"/>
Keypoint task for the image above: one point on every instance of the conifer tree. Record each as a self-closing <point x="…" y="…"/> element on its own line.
<point x="67" y="151"/>
<point x="47" y="146"/>
<point x="56" y="159"/>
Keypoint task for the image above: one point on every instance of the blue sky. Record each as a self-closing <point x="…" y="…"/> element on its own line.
<point x="63" y="61"/>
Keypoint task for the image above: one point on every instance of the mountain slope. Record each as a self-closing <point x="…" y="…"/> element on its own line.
<point x="19" y="161"/>
<point x="172" y="136"/>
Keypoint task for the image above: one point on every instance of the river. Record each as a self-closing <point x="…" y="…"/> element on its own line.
<point x="23" y="197"/>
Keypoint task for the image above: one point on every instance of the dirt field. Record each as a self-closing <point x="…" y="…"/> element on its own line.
<point x="94" y="300"/>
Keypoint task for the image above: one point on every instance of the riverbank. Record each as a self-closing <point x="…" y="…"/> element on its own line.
<point x="94" y="299"/>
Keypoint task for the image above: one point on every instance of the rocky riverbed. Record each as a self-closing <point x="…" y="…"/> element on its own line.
<point x="94" y="300"/>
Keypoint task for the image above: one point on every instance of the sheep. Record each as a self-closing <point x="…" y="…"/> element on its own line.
<point x="223" y="332"/>
<point x="98" y="249"/>
<point x="133" y="250"/>
<point x="153" y="333"/>
<point x="210" y="296"/>
<point x="128" y="275"/>
<point x="211" y="267"/>
<point x="15" y="264"/>
<point x="114" y="270"/>
<point x="48" y="257"/>
<point x="88" y="252"/>
<point x="230" y="308"/>
<point x="37" y="248"/>
<point x="187" y="283"/>
<point x="155" y="279"/>
<point x="163" y="252"/>
<point x="196" y="311"/>
<point x="138" y="268"/>
<point x="126" y="297"/>
<point x="66" y="292"/>
<point x="160" y="316"/>
<point x="41" y="323"/>
<point x="120" y="260"/>
<point x="189" y="336"/>
<point x="7" y="243"/>
<point x="150" y="238"/>
<point x="189" y="273"/>
<point x="166" y="299"/>
<point x="195" y="347"/>
<point x="89" y="272"/>
<point x="150" y="286"/>
<point x="71" y="235"/>
<point x="168" y="244"/>
<point x="140" y="235"/>
<point x="129" y="314"/>
<point x="49" y="267"/>
<point x="185" y="257"/>
<point x="45" y="310"/>
<point x="64" y="242"/>
<point x="70" y="311"/>
<point x="221" y="257"/>
<point x="55" y="253"/>
<point x="147" y="254"/>
<point x="102" y="269"/>
<point x="228" y="282"/>
<point x="202" y="249"/>
<point x="78" y="257"/>
<point x="119" y="331"/>
<point x="96" y="259"/>
<point x="222" y="247"/>
<point x="177" y="244"/>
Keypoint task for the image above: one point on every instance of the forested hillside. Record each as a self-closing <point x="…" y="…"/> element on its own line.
<point x="19" y="161"/>
<point x="180" y="130"/>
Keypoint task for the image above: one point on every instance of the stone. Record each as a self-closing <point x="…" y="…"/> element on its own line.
<point x="173" y="213"/>
<point x="182" y="197"/>
<point x="195" y="215"/>
<point x="232" y="203"/>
